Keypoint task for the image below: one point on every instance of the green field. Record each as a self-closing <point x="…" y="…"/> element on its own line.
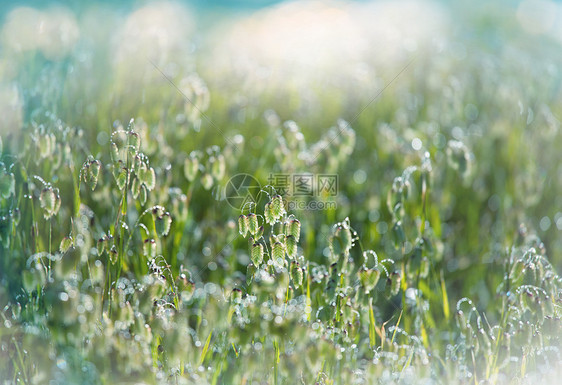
<point x="298" y="193"/>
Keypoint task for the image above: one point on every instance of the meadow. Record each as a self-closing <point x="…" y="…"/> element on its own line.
<point x="308" y="193"/>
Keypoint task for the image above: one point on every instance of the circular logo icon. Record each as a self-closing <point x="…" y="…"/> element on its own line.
<point x="241" y="191"/>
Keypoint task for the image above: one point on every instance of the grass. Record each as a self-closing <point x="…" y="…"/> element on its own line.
<point x="122" y="260"/>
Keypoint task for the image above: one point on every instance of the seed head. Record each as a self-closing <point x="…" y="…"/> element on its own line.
<point x="50" y="201"/>
<point x="134" y="140"/>
<point x="294" y="229"/>
<point x="95" y="167"/>
<point x="121" y="178"/>
<point x="236" y="296"/>
<point x="259" y="233"/>
<point x="291" y="245"/>
<point x="148" y="177"/>
<point x="257" y="254"/>
<point x="143" y="195"/>
<point x="7" y="184"/>
<point x="135" y="187"/>
<point x="250" y="272"/>
<point x="149" y="248"/>
<point x="268" y="214"/>
<point x="243" y="225"/>
<point x="277" y="208"/>
<point x="296" y="273"/>
<point x="207" y="181"/>
<point x="115" y="153"/>
<point x="163" y="224"/>
<point x="340" y="241"/>
<point x="113" y="254"/>
<point x="102" y="242"/>
<point x="395" y="281"/>
<point x="459" y="157"/>
<point x="368" y="278"/>
<point x="218" y="166"/>
<point x="191" y="167"/>
<point x="65" y="244"/>
<point x="253" y="223"/>
<point x="278" y="253"/>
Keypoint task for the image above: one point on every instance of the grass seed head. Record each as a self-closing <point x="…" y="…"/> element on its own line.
<point x="101" y="245"/>
<point x="148" y="177"/>
<point x="277" y="207"/>
<point x="458" y="156"/>
<point x="250" y="272"/>
<point x="207" y="181"/>
<point x="113" y="254"/>
<point x="163" y="224"/>
<point x="296" y="273"/>
<point x="149" y="248"/>
<point x="7" y="184"/>
<point x="370" y="259"/>
<point x="135" y="187"/>
<point x="143" y="195"/>
<point x="50" y="201"/>
<point x="218" y="167"/>
<point x="257" y="254"/>
<point x="294" y="229"/>
<point x="65" y="244"/>
<point x="137" y="164"/>
<point x="115" y="153"/>
<point x="191" y="167"/>
<point x="395" y="280"/>
<point x="278" y="253"/>
<point x="243" y="225"/>
<point x="340" y="241"/>
<point x="236" y="295"/>
<point x="291" y="245"/>
<point x="259" y="233"/>
<point x="461" y="321"/>
<point x="93" y="173"/>
<point x="121" y="175"/>
<point x="46" y="144"/>
<point x="368" y="278"/>
<point x="134" y="140"/>
<point x="268" y="214"/>
<point x="253" y="226"/>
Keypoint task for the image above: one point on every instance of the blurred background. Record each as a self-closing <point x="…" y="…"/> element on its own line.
<point x="486" y="74"/>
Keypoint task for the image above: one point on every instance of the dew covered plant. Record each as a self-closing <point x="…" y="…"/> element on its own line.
<point x="128" y="253"/>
